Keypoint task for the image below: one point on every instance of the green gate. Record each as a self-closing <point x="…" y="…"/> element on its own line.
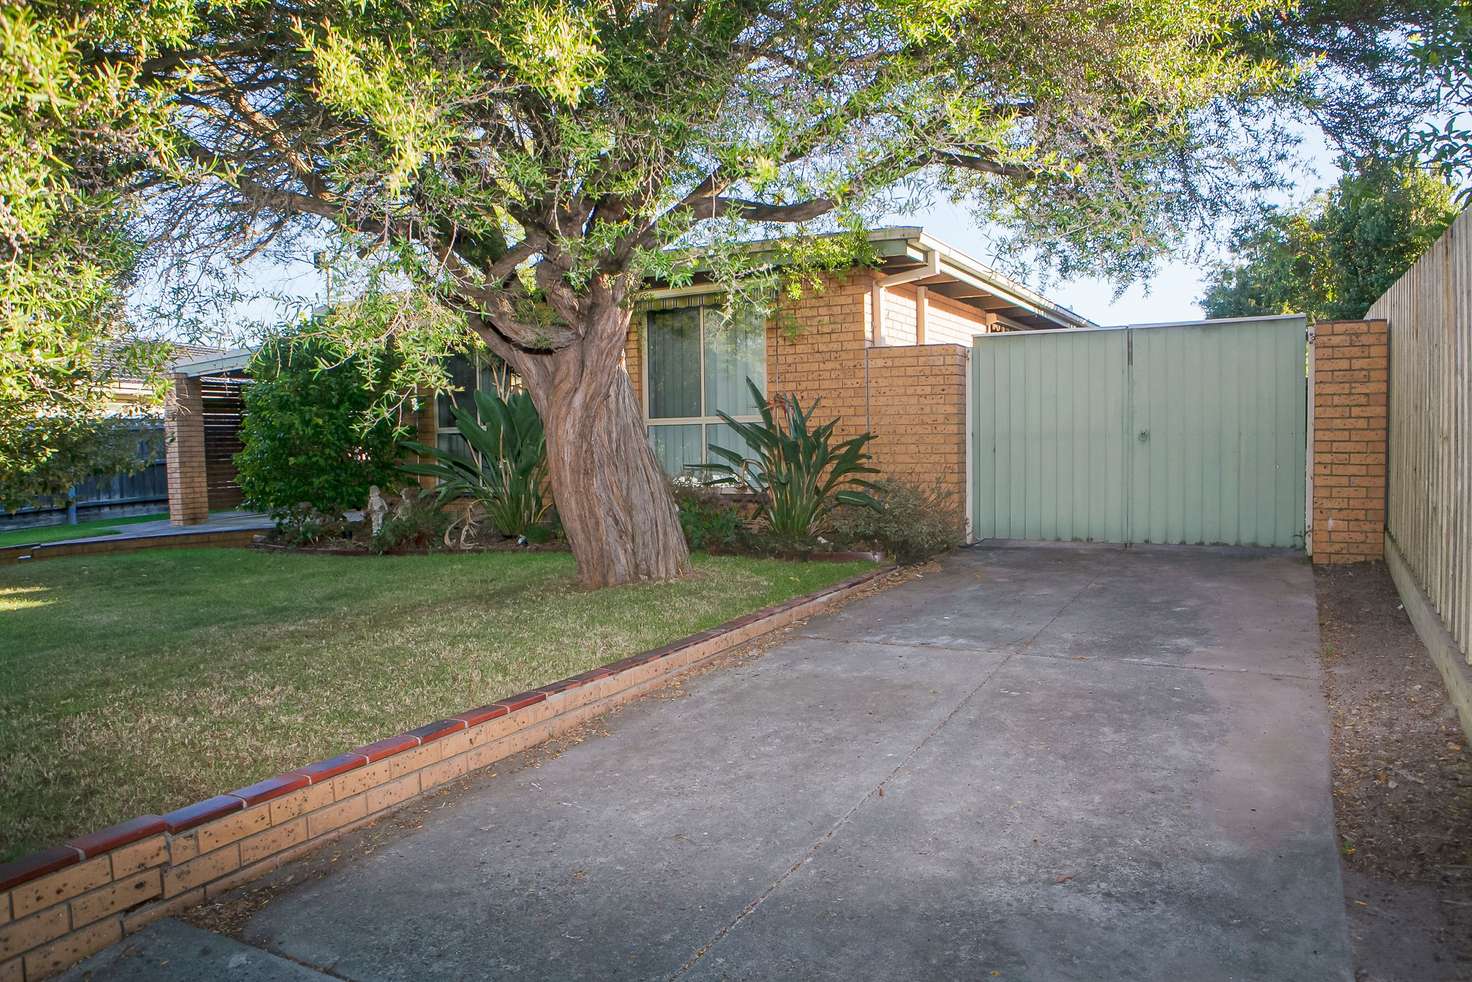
<point x="1176" y="433"/>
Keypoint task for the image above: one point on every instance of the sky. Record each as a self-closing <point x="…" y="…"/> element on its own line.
<point x="1171" y="294"/>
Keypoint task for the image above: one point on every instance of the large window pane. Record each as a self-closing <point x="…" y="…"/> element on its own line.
<point x="453" y="443"/>
<point x="722" y="435"/>
<point x="677" y="445"/>
<point x="462" y="375"/>
<point x="674" y="363"/>
<point x="735" y="350"/>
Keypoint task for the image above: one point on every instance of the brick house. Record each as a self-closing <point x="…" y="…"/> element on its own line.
<point x="884" y="347"/>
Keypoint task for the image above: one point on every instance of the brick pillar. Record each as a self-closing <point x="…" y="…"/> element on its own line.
<point x="1350" y="379"/>
<point x="189" y="496"/>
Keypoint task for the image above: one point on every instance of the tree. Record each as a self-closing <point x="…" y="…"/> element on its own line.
<point x="1443" y="51"/>
<point x="313" y="432"/>
<point x="65" y="255"/>
<point x="528" y="162"/>
<point x="1334" y="257"/>
<point x="1380" y="77"/>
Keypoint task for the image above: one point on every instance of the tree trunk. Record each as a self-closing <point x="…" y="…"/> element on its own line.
<point x="611" y="494"/>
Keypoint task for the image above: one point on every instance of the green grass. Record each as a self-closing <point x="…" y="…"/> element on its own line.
<point x="139" y="682"/>
<point x="81" y="530"/>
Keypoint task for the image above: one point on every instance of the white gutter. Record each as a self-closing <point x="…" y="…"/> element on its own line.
<point x="230" y="361"/>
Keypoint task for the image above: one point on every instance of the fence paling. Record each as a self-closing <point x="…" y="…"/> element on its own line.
<point x="1429" y="311"/>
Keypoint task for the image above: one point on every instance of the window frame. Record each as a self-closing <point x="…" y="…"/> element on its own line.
<point x="702" y="421"/>
<point x="480" y="361"/>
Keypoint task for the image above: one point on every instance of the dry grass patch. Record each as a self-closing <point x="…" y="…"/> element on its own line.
<point x="139" y="682"/>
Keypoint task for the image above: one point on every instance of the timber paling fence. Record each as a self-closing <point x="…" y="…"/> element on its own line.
<point x="1429" y="506"/>
<point x="147" y="486"/>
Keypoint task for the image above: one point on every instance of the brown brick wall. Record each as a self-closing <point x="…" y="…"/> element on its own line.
<point x="823" y="355"/>
<point x="949" y="322"/>
<point x="189" y="497"/>
<point x="1350" y="378"/>
<point x="917" y="411"/>
<point x="634" y="357"/>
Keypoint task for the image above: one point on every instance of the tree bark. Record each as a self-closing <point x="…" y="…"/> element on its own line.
<point x="611" y="494"/>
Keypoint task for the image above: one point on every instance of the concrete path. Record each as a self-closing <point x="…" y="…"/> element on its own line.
<point x="1040" y="763"/>
<point x="219" y="521"/>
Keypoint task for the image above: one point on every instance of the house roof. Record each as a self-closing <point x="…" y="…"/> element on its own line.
<point x="914" y="256"/>
<point x="969" y="281"/>
<point x="219" y="362"/>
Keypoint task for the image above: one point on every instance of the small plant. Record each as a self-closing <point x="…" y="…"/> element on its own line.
<point x="505" y="468"/>
<point x="801" y="474"/>
<point x="304" y="525"/>
<point x="916" y="522"/>
<point x="417" y="522"/>
<point x="707" y="518"/>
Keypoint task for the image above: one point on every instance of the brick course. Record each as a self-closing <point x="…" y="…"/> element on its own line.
<point x="1351" y="363"/>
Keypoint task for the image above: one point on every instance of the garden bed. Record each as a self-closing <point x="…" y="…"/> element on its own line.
<point x="135" y="683"/>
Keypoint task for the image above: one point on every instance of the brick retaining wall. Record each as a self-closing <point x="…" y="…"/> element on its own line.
<point x="128" y="543"/>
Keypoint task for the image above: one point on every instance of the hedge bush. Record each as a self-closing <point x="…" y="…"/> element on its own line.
<point x="314" y="434"/>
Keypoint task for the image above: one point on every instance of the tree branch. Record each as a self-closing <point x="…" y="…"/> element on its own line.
<point x="761" y="211"/>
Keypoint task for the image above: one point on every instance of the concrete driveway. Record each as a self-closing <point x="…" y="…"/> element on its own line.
<point x="1039" y="763"/>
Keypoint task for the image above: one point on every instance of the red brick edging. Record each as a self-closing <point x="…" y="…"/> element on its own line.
<point x="60" y="905"/>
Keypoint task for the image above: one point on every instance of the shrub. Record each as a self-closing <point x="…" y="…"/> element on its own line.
<point x="417" y="522"/>
<point x="801" y="474"/>
<point x="314" y="438"/>
<point x="707" y="518"/>
<point x="915" y="523"/>
<point x="303" y="525"/>
<point x="505" y="466"/>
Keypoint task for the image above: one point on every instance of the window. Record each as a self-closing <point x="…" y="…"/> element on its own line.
<point x="467" y="374"/>
<point x="696" y="364"/>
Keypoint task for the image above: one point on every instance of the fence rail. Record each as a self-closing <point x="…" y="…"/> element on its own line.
<point x="1429" y="511"/>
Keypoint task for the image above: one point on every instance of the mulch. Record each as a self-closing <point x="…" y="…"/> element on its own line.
<point x="1402" y="784"/>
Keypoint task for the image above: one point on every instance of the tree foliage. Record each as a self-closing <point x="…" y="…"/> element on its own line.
<point x="1443" y="50"/>
<point x="1335" y="256"/>
<point x="1379" y="77"/>
<point x="314" y="430"/>
<point x="64" y="255"/>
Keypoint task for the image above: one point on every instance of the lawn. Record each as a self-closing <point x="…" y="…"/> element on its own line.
<point x="139" y="682"/>
<point x="81" y="530"/>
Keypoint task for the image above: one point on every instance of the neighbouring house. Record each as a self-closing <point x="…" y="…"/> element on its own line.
<point x="130" y="399"/>
<point x="884" y="347"/>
